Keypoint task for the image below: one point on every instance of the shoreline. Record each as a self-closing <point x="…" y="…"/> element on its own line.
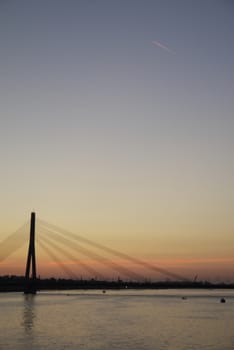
<point x="18" y="284"/>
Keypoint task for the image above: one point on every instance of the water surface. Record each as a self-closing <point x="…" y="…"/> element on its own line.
<point x="131" y="320"/>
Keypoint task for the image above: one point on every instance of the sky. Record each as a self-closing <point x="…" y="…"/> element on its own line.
<point x="117" y="123"/>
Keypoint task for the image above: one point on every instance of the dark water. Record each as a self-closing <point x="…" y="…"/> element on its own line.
<point x="120" y="320"/>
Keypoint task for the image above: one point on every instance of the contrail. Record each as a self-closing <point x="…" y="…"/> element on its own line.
<point x="164" y="47"/>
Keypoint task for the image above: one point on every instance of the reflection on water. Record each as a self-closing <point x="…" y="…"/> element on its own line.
<point x="126" y="320"/>
<point x="29" y="313"/>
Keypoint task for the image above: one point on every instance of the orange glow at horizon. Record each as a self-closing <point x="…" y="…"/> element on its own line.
<point x="205" y="268"/>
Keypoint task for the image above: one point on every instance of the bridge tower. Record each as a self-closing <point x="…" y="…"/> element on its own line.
<point x="30" y="272"/>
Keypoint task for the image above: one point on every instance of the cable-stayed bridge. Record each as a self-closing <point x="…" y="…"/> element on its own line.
<point x="59" y="244"/>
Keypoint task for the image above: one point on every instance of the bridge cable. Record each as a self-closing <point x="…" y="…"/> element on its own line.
<point x="13" y="242"/>
<point x="91" y="270"/>
<point x="117" y="253"/>
<point x="66" y="269"/>
<point x="95" y="256"/>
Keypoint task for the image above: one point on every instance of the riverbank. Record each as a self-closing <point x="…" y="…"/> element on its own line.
<point x="17" y="284"/>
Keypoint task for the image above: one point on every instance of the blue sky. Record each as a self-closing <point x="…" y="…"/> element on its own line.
<point x="106" y="131"/>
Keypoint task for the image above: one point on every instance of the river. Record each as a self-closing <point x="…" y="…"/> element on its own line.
<point x="118" y="320"/>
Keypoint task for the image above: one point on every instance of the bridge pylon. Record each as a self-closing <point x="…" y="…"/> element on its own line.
<point x="30" y="272"/>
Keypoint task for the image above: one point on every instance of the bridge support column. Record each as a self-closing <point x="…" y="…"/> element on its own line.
<point x="30" y="280"/>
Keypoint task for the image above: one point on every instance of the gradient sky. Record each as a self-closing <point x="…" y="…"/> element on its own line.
<point x="117" y="122"/>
